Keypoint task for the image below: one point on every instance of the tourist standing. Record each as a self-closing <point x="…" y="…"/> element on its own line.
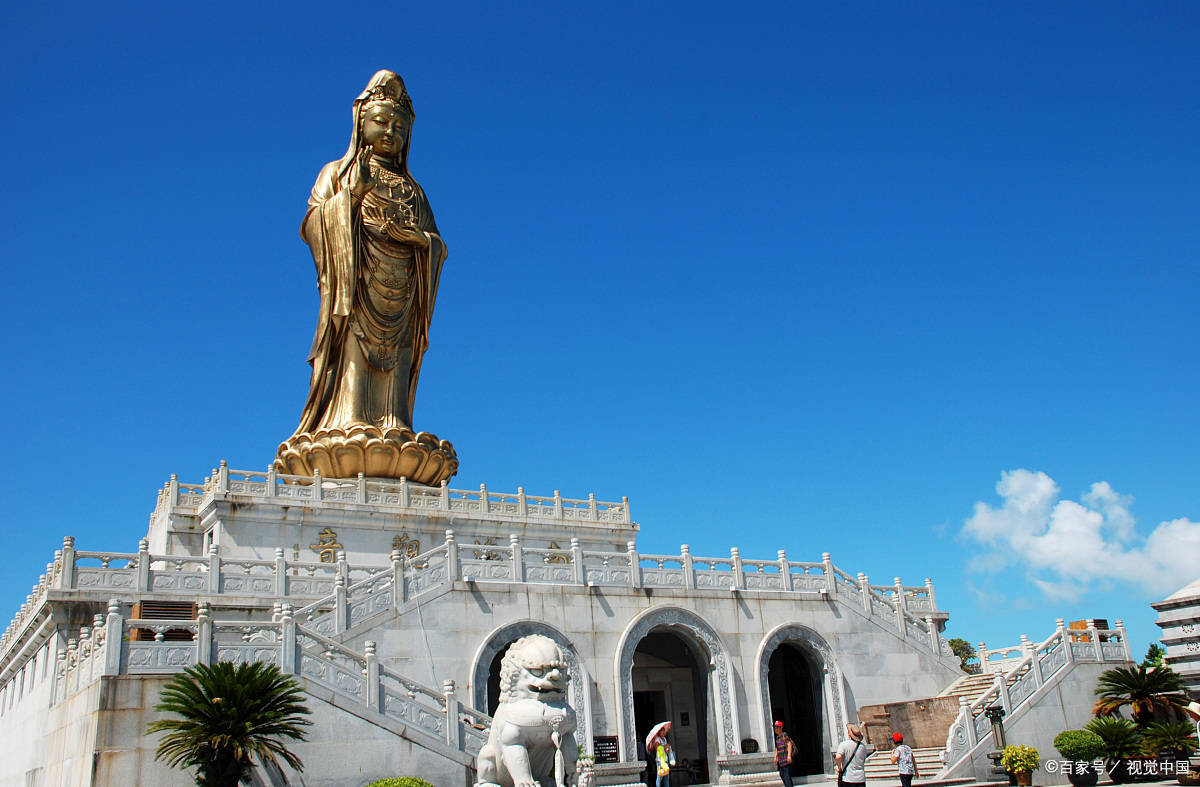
<point x="852" y="758"/>
<point x="660" y="750"/>
<point x="785" y="751"/>
<point x="902" y="757"/>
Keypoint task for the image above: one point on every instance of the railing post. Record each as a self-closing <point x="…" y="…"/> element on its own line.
<point x="518" y="557"/>
<point x="592" y="506"/>
<point x="1065" y="638"/>
<point x="964" y="712"/>
<point x="864" y="584"/>
<point x="281" y="580"/>
<point x="339" y="595"/>
<point x="287" y="639"/>
<point x="203" y="634"/>
<point x="935" y="643"/>
<point x="317" y="486"/>
<point x="372" y="675"/>
<point x="172" y="493"/>
<point x="577" y="561"/>
<point x="272" y="480"/>
<point x="689" y="566"/>
<point x="453" y="728"/>
<point x="981" y="652"/>
<point x="785" y="570"/>
<point x="223" y="477"/>
<point x="1005" y="700"/>
<point x="522" y="502"/>
<point x="635" y="564"/>
<point x="1035" y="667"/>
<point x="404" y="501"/>
<point x="399" y="587"/>
<point x="66" y="580"/>
<point x="343" y="570"/>
<point x="735" y="558"/>
<point x="452" y="572"/>
<point x="214" y="569"/>
<point x="557" y="504"/>
<point x="900" y="608"/>
<point x="143" y="565"/>
<point x="625" y="509"/>
<point x="1095" y="636"/>
<point x="929" y="592"/>
<point x="444" y="501"/>
<point x="1124" y="640"/>
<point x="830" y="574"/>
<point x="362" y="488"/>
<point x="114" y="630"/>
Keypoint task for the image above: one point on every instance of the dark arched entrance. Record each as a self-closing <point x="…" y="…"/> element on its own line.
<point x="670" y="683"/>
<point x="794" y="681"/>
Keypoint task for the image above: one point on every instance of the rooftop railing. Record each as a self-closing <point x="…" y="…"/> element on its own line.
<point x="187" y="499"/>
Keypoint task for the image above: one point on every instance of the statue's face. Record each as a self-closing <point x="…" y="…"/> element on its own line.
<point x="385" y="129"/>
<point x="543" y="673"/>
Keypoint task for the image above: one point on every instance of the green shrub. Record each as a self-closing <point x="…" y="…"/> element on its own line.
<point x="1020" y="758"/>
<point x="1121" y="738"/>
<point x="1079" y="745"/>
<point x="1177" y="738"/>
<point x="401" y="781"/>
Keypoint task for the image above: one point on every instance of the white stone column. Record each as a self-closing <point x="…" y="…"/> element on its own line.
<point x="577" y="562"/>
<point x="372" y="675"/>
<point x="399" y="586"/>
<point x="203" y="634"/>
<point x="635" y="564"/>
<point x="339" y="597"/>
<point x="66" y="579"/>
<point x="114" y="635"/>
<point x="785" y="570"/>
<point x="739" y="578"/>
<point x="689" y="568"/>
<point x="287" y="631"/>
<point x="518" y="557"/>
<point x="864" y="585"/>
<point x="214" y="570"/>
<point x="143" y="565"/>
<point x="1120" y="624"/>
<point x="453" y="728"/>
<point x="452" y="572"/>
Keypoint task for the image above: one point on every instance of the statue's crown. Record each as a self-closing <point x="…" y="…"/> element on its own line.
<point x="392" y="92"/>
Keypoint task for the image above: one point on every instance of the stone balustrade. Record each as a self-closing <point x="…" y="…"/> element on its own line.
<point x="1023" y="676"/>
<point x="187" y="499"/>
<point x="334" y="597"/>
<point x="107" y="648"/>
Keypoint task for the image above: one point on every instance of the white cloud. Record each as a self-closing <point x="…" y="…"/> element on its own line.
<point x="1067" y="546"/>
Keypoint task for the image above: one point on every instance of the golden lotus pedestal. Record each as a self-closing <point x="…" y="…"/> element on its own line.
<point x="393" y="453"/>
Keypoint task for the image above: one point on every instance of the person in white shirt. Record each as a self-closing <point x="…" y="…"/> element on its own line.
<point x="851" y="758"/>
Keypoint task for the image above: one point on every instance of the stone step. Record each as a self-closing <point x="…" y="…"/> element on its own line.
<point x="879" y="764"/>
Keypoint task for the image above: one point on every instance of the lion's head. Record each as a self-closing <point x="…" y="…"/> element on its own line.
<point x="533" y="667"/>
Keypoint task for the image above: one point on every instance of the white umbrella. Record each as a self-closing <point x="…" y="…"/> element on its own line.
<point x="663" y="727"/>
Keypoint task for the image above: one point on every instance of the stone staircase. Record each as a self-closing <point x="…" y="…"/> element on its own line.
<point x="880" y="767"/>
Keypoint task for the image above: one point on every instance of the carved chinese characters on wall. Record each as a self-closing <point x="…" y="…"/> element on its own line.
<point x="327" y="546"/>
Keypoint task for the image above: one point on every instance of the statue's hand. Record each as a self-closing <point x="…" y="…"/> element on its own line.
<point x="360" y="174"/>
<point x="408" y="235"/>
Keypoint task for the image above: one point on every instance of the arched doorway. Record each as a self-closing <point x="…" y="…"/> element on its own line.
<point x="712" y="657"/>
<point x="485" y="677"/>
<point x="800" y="684"/>
<point x="795" y="688"/>
<point x="670" y="683"/>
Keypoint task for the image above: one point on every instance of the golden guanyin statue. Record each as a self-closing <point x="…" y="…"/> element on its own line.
<point x="379" y="257"/>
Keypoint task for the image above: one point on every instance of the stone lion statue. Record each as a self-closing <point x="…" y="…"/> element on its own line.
<point x="532" y="740"/>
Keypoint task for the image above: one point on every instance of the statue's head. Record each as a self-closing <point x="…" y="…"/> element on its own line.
<point x="383" y="117"/>
<point x="533" y="667"/>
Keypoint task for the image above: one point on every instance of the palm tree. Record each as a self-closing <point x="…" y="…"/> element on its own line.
<point x="1143" y="690"/>
<point x="229" y="714"/>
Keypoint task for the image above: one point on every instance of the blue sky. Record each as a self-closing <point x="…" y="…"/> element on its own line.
<point x="914" y="284"/>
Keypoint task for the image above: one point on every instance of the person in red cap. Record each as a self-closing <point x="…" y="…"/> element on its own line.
<point x="902" y="757"/>
<point x="785" y="750"/>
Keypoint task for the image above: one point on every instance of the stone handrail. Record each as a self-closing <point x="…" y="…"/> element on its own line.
<point x="331" y="603"/>
<point x="175" y="497"/>
<point x="106" y="649"/>
<point x="1013" y="687"/>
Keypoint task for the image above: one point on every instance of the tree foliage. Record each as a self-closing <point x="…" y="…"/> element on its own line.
<point x="229" y="715"/>
<point x="961" y="648"/>
<point x="1121" y="737"/>
<point x="1154" y="655"/>
<point x="1173" y="737"/>
<point x="1143" y="689"/>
